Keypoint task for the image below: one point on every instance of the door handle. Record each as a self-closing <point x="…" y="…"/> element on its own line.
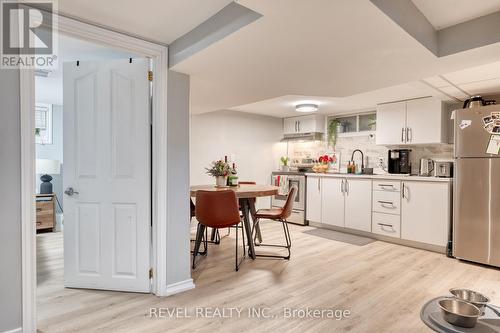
<point x="319" y="184"/>
<point x="342" y="186"/>
<point x="409" y="134"/>
<point x="70" y="191"/>
<point x="347" y="187"/>
<point x="402" y="134"/>
<point x="298" y="124"/>
<point x="296" y="128"/>
<point x="403" y="191"/>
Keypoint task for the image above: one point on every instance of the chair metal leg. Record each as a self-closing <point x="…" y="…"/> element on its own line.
<point x="199" y="237"/>
<point x="237" y="264"/>
<point x="288" y="241"/>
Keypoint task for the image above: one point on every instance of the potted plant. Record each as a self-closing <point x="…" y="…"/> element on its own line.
<point x="284" y="161"/>
<point x="333" y="129"/>
<point x="220" y="170"/>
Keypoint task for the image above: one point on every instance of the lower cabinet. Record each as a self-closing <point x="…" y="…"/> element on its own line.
<point x="425" y="212"/>
<point x="313" y="199"/>
<point x="418" y="211"/>
<point x="358" y="204"/>
<point x="347" y="203"/>
<point x="332" y="201"/>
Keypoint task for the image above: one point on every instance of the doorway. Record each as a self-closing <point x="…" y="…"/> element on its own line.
<point x="92" y="135"/>
<point x="159" y="57"/>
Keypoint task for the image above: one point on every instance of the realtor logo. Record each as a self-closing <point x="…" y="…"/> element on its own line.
<point x="28" y="34"/>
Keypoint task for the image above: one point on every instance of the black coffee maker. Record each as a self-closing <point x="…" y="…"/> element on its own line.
<point x="399" y="161"/>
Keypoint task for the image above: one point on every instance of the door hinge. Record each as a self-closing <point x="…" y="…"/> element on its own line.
<point x="150" y="273"/>
<point x="150" y="75"/>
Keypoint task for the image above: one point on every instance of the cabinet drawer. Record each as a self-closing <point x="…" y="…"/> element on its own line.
<point x="386" y="225"/>
<point x="386" y="185"/>
<point x="386" y="202"/>
<point x="44" y="206"/>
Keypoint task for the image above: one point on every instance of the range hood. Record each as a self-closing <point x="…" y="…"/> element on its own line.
<point x="314" y="136"/>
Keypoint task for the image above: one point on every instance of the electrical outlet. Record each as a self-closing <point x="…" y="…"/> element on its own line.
<point x="381" y="162"/>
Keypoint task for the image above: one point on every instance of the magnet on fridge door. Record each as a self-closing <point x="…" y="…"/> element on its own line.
<point x="494" y="145"/>
<point x="465" y="123"/>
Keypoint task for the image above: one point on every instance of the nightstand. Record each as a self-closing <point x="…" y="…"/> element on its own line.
<point x="45" y="211"/>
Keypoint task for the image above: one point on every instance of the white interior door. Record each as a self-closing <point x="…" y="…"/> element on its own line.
<point x="107" y="220"/>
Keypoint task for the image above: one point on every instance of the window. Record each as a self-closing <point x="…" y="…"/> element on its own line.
<point x="356" y="125"/>
<point x="43" y="124"/>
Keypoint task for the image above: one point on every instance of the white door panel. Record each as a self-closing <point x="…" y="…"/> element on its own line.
<point x="358" y="204"/>
<point x="107" y="161"/>
<point x="313" y="197"/>
<point x="332" y="201"/>
<point x="424" y="121"/>
<point x="391" y="121"/>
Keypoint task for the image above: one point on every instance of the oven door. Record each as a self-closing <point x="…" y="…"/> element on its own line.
<point x="298" y="181"/>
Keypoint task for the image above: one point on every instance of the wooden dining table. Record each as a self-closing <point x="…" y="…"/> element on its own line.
<point x="246" y="195"/>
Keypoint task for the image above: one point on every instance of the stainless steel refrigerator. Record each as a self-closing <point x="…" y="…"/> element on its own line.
<point x="476" y="194"/>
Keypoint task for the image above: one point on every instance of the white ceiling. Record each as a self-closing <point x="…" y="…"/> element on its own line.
<point x="314" y="48"/>
<point x="444" y="13"/>
<point x="452" y="87"/>
<point x="284" y="106"/>
<point x="158" y="20"/>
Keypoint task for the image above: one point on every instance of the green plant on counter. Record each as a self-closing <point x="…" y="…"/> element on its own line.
<point x="284" y="160"/>
<point x="333" y="132"/>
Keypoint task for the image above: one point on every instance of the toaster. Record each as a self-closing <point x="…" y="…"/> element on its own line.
<point x="443" y="169"/>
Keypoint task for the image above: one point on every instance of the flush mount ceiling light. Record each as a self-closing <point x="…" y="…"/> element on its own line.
<point x="306" y="107"/>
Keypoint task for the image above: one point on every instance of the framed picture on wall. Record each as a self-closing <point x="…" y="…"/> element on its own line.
<point x="43" y="124"/>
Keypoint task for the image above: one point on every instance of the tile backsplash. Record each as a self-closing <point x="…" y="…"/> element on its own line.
<point x="366" y="143"/>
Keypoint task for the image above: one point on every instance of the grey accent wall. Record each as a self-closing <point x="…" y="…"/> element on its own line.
<point x="178" y="261"/>
<point x="228" y="20"/>
<point x="10" y="203"/>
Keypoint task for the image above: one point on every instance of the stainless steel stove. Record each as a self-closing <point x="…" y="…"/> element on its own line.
<point x="285" y="180"/>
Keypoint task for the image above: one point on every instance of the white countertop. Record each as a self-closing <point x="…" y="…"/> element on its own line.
<point x="385" y="176"/>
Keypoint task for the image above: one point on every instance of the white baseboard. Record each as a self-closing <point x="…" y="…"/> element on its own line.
<point x="179" y="287"/>
<point x="16" y="330"/>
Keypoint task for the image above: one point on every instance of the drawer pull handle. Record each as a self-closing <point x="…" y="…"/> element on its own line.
<point x="384" y="203"/>
<point x="382" y="225"/>
<point x="386" y="185"/>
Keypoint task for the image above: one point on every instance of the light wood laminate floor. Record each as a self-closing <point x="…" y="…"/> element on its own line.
<point x="381" y="284"/>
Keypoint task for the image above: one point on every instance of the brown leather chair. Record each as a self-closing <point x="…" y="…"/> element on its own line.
<point x="216" y="209"/>
<point x="280" y="215"/>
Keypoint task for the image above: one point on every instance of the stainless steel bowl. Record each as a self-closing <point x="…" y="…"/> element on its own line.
<point x="459" y="313"/>
<point x="471" y="296"/>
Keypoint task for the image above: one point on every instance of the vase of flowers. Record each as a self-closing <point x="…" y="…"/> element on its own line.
<point x="220" y="170"/>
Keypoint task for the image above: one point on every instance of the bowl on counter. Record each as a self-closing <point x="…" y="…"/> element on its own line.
<point x="320" y="168"/>
<point x="471" y="296"/>
<point x="459" y="313"/>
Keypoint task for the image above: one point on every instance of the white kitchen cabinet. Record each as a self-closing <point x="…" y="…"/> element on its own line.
<point x="425" y="212"/>
<point x="412" y="122"/>
<point x="424" y="121"/>
<point x="304" y="124"/>
<point x="289" y="125"/>
<point x="358" y="204"/>
<point x="313" y="201"/>
<point x="391" y="122"/>
<point x="332" y="201"/>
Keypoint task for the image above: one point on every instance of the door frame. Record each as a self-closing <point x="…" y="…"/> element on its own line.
<point x="159" y="55"/>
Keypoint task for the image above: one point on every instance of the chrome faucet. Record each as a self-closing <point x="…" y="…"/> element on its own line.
<point x="362" y="158"/>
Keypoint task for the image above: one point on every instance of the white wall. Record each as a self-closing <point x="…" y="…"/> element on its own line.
<point x="252" y="140"/>
<point x="10" y="203"/>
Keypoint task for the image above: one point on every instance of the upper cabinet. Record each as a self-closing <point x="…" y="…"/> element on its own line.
<point x="413" y="122"/>
<point x="304" y="124"/>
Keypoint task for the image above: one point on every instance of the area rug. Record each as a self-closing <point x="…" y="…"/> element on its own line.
<point x="340" y="236"/>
